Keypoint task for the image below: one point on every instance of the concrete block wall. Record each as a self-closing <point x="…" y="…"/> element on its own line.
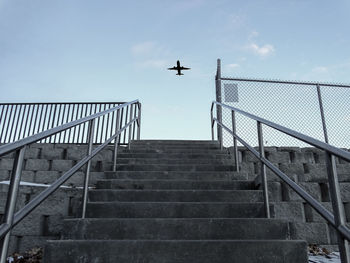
<point x="43" y="164"/>
<point x="307" y="167"/>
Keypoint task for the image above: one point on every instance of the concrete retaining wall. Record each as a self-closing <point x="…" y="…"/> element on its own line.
<point x="307" y="167"/>
<point x="43" y="164"/>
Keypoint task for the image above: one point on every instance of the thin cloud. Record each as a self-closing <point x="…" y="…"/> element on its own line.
<point x="150" y="54"/>
<point x="320" y="70"/>
<point x="143" y="48"/>
<point x="188" y="4"/>
<point x="262" y="51"/>
<point x="153" y="63"/>
<point x="233" y="66"/>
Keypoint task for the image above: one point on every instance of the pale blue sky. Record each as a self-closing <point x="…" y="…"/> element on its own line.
<point x="84" y="50"/>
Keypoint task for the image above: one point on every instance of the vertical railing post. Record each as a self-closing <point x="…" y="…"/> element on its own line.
<point x="139" y="122"/>
<point x="212" y="122"/>
<point x="263" y="171"/>
<point x="12" y="199"/>
<point x="338" y="207"/>
<point x="218" y="99"/>
<point x="130" y="119"/>
<point x="90" y="138"/>
<point x="235" y="149"/>
<point x="115" y="152"/>
<point x="323" y="119"/>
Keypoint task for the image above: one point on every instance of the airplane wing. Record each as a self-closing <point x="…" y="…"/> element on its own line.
<point x="184" y="68"/>
<point x="173" y="68"/>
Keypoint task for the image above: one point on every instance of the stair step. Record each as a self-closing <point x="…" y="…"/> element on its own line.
<point x="169" y="167"/>
<point x="207" y="147"/>
<point x="176" y="195"/>
<point x="174" y="142"/>
<point x="180" y="175"/>
<point x="207" y="155"/>
<point x="174" y="184"/>
<point x="178" y="161"/>
<point x="174" y="210"/>
<point x="171" y="150"/>
<point x="175" y="229"/>
<point x="178" y="251"/>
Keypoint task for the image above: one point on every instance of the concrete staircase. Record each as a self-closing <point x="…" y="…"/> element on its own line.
<point x="175" y="201"/>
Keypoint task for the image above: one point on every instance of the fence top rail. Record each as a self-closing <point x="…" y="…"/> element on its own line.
<point x="7" y="148"/>
<point x="58" y="103"/>
<point x="289" y="82"/>
<point x="307" y="139"/>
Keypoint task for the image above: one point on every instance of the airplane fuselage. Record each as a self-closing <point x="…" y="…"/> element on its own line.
<point x="178" y="68"/>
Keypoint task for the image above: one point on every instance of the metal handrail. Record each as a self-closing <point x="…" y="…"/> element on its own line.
<point x="12" y="218"/>
<point x="20" y="120"/>
<point x="337" y="220"/>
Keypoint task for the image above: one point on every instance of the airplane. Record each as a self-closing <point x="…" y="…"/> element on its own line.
<point x="178" y="68"/>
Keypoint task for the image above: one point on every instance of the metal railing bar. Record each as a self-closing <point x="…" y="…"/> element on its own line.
<point x="42" y="135"/>
<point x="120" y="124"/>
<point x="49" y="122"/>
<point x="126" y="120"/>
<point x="53" y="120"/>
<point x="102" y="123"/>
<point x="4" y="123"/>
<point x="344" y="230"/>
<point x="307" y="139"/>
<point x="88" y="165"/>
<point x="75" y="127"/>
<point x="289" y="82"/>
<point x="12" y="123"/>
<point x="134" y="124"/>
<point x="107" y="125"/>
<point x="65" y="132"/>
<point x="112" y="122"/>
<point x="12" y="199"/>
<point x="37" y="200"/>
<point x="41" y="115"/>
<point x="71" y="119"/>
<point x="79" y="127"/>
<point x="139" y="121"/>
<point x="58" y="123"/>
<point x="35" y="118"/>
<point x="16" y="126"/>
<point x="26" y="122"/>
<point x="98" y="124"/>
<point x="44" y="119"/>
<point x="21" y="125"/>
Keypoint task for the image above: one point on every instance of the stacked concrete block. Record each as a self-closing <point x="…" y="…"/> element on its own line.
<point x="44" y="164"/>
<point x="45" y="222"/>
<point x="307" y="167"/>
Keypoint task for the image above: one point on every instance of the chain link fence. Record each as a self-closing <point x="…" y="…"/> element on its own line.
<point x="295" y="105"/>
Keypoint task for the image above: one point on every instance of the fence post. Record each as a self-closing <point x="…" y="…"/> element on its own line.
<point x="88" y="166"/>
<point x="212" y="122"/>
<point x="322" y="113"/>
<point x="263" y="171"/>
<point x="116" y="140"/>
<point x="218" y="99"/>
<point x="12" y="199"/>
<point x="130" y="118"/>
<point x="139" y="122"/>
<point x="338" y="207"/>
<point x="235" y="149"/>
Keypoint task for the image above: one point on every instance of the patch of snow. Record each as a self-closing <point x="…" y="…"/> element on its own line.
<point x="333" y="257"/>
<point x="43" y="185"/>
